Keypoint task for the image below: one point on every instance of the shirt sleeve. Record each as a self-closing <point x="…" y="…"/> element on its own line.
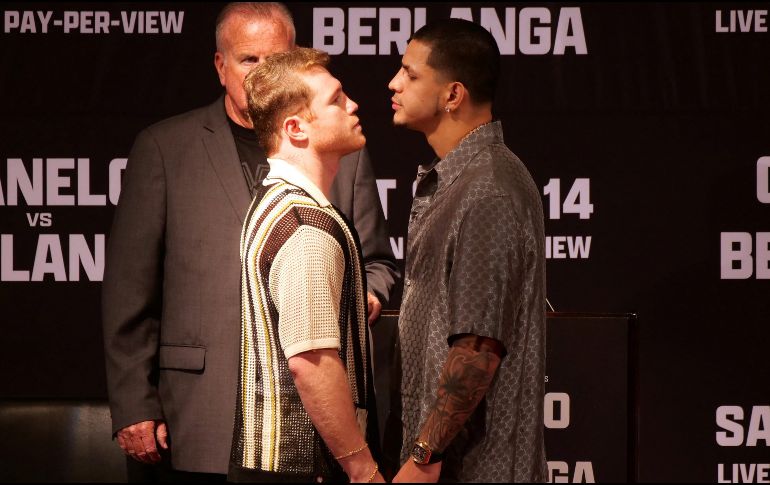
<point x="486" y="269"/>
<point x="306" y="286"/>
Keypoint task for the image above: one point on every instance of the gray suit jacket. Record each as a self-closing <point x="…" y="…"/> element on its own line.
<point x="171" y="290"/>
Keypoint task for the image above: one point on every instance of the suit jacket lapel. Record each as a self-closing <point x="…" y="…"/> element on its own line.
<point x="223" y="156"/>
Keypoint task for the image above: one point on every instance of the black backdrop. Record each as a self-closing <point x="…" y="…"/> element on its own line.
<point x="652" y="120"/>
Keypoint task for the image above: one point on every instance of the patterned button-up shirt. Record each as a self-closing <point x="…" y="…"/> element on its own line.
<point x="476" y="265"/>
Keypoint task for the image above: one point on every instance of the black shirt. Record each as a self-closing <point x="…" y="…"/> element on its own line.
<point x="252" y="156"/>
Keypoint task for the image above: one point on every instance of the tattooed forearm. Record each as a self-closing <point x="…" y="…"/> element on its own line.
<point x="469" y="369"/>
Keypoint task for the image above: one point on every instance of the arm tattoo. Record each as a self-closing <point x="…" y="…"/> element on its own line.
<point x="465" y="378"/>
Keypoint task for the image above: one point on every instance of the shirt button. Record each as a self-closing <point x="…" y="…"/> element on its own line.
<point x="408" y="282"/>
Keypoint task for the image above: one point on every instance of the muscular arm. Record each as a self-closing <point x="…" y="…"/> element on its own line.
<point x="309" y="267"/>
<point x="322" y="384"/>
<point x="471" y="364"/>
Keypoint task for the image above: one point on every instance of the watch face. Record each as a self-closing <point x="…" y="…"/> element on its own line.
<point x="420" y="455"/>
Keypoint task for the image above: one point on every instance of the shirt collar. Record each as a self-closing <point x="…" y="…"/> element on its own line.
<point x="283" y="170"/>
<point x="453" y="163"/>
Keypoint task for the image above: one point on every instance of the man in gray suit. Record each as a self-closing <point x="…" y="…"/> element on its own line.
<point x="171" y="306"/>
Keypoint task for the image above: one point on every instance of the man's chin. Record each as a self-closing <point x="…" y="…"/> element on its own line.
<point x="355" y="144"/>
<point x="359" y="143"/>
<point x="401" y="123"/>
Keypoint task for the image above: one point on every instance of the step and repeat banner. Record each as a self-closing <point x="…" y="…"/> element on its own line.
<point x="646" y="126"/>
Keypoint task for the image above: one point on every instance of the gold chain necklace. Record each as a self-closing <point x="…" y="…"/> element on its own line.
<point x="474" y="130"/>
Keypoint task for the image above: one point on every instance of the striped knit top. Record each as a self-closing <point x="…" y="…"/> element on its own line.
<point x="302" y="288"/>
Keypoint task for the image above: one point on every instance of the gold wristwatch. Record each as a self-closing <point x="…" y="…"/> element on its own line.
<point x="423" y="455"/>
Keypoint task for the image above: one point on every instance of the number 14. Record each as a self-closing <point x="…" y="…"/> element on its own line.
<point x="576" y="202"/>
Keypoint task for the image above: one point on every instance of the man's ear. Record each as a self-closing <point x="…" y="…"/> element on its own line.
<point x="456" y="92"/>
<point x="294" y="128"/>
<point x="219" y="64"/>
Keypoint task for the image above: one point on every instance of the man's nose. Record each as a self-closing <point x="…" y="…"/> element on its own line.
<point x="393" y="85"/>
<point x="352" y="106"/>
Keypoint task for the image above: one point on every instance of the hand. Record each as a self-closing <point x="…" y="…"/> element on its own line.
<point x="377" y="478"/>
<point x="374" y="307"/>
<point x="138" y="440"/>
<point x="365" y="479"/>
<point x="411" y="472"/>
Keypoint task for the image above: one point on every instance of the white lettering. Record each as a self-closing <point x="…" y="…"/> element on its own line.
<point x="542" y="44"/>
<point x="551" y="402"/>
<point x="49" y="258"/>
<point x="129" y="22"/>
<point x="38" y="190"/>
<point x="102" y="22"/>
<point x="759" y="426"/>
<point x="336" y="30"/>
<point x="724" y="421"/>
<point x="531" y="29"/>
<point x="117" y="166"/>
<point x="584" y="472"/>
<point x="719" y="26"/>
<point x="84" y="185"/>
<point x="563" y="247"/>
<point x="171" y="22"/>
<point x="729" y="418"/>
<point x="741" y="21"/>
<point x="28" y="23"/>
<point x="7" y="273"/>
<point x="151" y="22"/>
<point x="80" y="254"/>
<point x="400" y="36"/>
<point x="397" y="245"/>
<point x="383" y="185"/>
<point x="43" y="219"/>
<point x="54" y="182"/>
<point x="10" y="20"/>
<point x="356" y="30"/>
<point x="763" y="255"/>
<point x="744" y="473"/>
<point x="763" y="180"/>
<point x="49" y="244"/>
<point x="763" y="473"/>
<point x="570" y="17"/>
<point x="18" y="179"/>
<point x="32" y="219"/>
<point x="558" y="472"/>
<point x="45" y="19"/>
<point x="744" y="20"/>
<point x="732" y="254"/>
<point x="506" y="39"/>
<point x="558" y="247"/>
<point x="579" y="247"/>
<point x="86" y="21"/>
<point x="70" y="21"/>
<point x="760" y="21"/>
